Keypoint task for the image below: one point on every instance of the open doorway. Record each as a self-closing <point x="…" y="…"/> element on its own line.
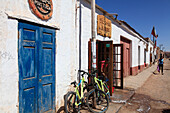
<point x="104" y="60"/>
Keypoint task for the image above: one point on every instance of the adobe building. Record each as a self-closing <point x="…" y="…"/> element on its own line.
<point x="167" y="55"/>
<point x="117" y="41"/>
<point x="44" y="43"/>
<point x="152" y="51"/>
<point x="37" y="54"/>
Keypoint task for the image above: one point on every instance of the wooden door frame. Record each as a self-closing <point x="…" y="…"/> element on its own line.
<point x="38" y="28"/>
<point x="97" y="53"/>
<point x="122" y="54"/>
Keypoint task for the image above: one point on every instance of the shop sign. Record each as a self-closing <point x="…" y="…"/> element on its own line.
<point x="42" y="8"/>
<point x="107" y="45"/>
<point x="103" y="26"/>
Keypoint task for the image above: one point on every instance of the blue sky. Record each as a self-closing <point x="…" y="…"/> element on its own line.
<point x="142" y="15"/>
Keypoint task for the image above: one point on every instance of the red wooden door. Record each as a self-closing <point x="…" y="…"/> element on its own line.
<point x="126" y="57"/>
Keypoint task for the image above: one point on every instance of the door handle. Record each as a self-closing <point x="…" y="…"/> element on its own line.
<point x="40" y="80"/>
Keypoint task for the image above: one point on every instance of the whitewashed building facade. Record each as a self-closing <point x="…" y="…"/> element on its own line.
<point x="39" y="58"/>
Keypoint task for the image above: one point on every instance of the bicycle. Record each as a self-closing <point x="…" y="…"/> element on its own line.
<point x="102" y="85"/>
<point x="74" y="99"/>
<point x="96" y="100"/>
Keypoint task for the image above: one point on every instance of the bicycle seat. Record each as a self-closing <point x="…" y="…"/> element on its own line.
<point x="74" y="83"/>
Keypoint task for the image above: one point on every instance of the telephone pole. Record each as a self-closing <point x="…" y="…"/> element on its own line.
<point x="93" y="33"/>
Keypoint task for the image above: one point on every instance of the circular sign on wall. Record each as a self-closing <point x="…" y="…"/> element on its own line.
<point x="42" y="8"/>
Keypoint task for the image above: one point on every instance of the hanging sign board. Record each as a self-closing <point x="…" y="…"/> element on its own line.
<point x="103" y="26"/>
<point x="42" y="8"/>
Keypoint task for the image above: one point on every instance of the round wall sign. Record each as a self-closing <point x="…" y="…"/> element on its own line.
<point x="42" y="8"/>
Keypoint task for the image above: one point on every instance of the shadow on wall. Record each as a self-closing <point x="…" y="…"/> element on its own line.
<point x="166" y="111"/>
<point x="61" y="110"/>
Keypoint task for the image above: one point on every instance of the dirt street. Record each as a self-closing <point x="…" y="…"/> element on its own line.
<point x="153" y="96"/>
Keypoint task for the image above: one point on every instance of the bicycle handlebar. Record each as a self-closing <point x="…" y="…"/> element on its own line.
<point x="81" y="71"/>
<point x="84" y="72"/>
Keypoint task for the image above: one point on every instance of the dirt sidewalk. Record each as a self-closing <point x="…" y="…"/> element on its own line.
<point x="153" y="96"/>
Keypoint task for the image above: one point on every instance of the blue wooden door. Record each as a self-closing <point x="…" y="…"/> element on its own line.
<point x="36" y="69"/>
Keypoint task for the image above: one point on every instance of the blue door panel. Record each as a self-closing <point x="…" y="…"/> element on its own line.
<point x="28" y="62"/>
<point x="47" y="92"/>
<point x="26" y="43"/>
<point x="27" y="69"/>
<point x="29" y="34"/>
<point x="29" y="100"/>
<point x="36" y="69"/>
<point x="46" y="79"/>
<point x="47" y="61"/>
<point x="48" y="58"/>
<point x="47" y="37"/>
<point x="47" y="46"/>
<point x="29" y="83"/>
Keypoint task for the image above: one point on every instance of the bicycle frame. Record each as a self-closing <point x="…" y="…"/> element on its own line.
<point x="75" y="99"/>
<point x="101" y="87"/>
<point x="79" y="95"/>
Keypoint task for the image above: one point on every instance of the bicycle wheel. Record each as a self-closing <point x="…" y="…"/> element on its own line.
<point x="97" y="101"/>
<point x="69" y="102"/>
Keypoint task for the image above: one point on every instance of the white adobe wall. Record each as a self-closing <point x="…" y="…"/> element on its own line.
<point x="142" y="47"/>
<point x="63" y="16"/>
<point x="150" y="46"/>
<point x="66" y="64"/>
<point x="148" y="54"/>
<point x="8" y="64"/>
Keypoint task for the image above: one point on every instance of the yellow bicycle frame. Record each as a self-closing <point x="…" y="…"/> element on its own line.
<point x="80" y="95"/>
<point x="101" y="87"/>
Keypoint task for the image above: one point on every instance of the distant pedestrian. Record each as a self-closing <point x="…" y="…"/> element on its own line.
<point x="161" y="64"/>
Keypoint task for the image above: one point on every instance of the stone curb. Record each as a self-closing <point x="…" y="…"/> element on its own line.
<point x="122" y="96"/>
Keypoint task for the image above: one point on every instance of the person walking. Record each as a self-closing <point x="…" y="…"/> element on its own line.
<point x="161" y="64"/>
